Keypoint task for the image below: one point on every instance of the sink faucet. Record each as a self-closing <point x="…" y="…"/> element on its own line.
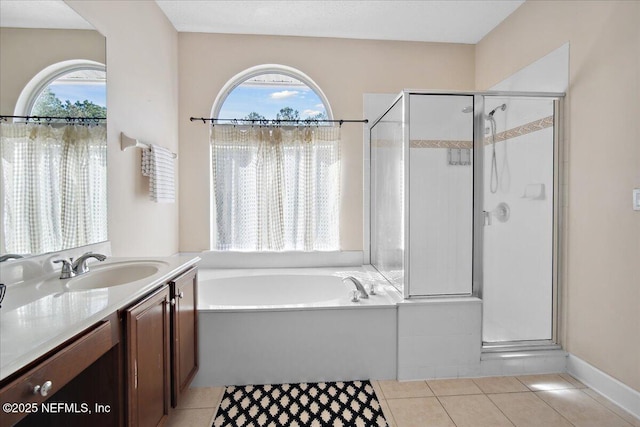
<point x="80" y="266"/>
<point x="71" y="268"/>
<point x="67" y="271"/>
<point x="363" y="292"/>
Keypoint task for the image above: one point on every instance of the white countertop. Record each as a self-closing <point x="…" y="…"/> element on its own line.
<point x="44" y="317"/>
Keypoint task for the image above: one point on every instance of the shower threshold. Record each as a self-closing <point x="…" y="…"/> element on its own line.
<point x="530" y="345"/>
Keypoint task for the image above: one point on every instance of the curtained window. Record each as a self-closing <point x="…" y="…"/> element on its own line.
<point x="276" y="188"/>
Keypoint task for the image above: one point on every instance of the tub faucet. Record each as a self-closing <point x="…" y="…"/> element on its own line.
<point x="80" y="266"/>
<point x="363" y="292"/>
<point x="10" y="256"/>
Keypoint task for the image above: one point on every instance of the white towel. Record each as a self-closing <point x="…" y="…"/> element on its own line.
<point x="157" y="164"/>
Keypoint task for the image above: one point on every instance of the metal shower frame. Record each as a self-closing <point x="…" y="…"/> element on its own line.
<point x="478" y="200"/>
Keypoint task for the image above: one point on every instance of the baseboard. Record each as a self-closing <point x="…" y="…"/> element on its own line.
<point x="619" y="393"/>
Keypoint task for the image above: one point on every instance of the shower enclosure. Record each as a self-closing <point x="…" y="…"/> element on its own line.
<point x="464" y="201"/>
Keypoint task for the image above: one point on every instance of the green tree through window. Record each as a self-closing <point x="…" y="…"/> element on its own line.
<point x="48" y="104"/>
<point x="254" y="116"/>
<point x="286" y="113"/>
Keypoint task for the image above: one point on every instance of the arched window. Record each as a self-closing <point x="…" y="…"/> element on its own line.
<point x="271" y="92"/>
<point x="275" y="186"/>
<point x="75" y="88"/>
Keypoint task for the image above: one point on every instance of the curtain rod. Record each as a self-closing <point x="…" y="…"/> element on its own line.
<point x="50" y="118"/>
<point x="273" y="121"/>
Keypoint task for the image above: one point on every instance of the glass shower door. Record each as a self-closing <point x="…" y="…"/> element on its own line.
<point x="440" y="176"/>
<point x="519" y="221"/>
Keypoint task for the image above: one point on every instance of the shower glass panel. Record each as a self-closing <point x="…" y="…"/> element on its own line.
<point x="464" y="201"/>
<point x="518" y="204"/>
<point x="440" y="238"/>
<point x="387" y="195"/>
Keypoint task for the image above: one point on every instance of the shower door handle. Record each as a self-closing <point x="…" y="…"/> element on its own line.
<point x="487" y="217"/>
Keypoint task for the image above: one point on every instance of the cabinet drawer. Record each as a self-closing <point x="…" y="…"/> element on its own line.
<point x="59" y="368"/>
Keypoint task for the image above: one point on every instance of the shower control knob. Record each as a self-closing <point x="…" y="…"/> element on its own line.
<point x="502" y="212"/>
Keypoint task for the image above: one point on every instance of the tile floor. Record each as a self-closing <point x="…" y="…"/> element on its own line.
<point x="522" y="401"/>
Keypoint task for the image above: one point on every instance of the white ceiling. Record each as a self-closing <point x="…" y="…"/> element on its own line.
<point x="449" y="21"/>
<point x="40" y="14"/>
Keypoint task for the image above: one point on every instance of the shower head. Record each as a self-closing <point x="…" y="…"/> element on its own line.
<point x="499" y="107"/>
<point x="469" y="109"/>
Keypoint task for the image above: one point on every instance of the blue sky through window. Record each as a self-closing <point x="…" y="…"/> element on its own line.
<point x="94" y="92"/>
<point x="268" y="100"/>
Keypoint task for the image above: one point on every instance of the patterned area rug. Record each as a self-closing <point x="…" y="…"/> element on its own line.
<point x="336" y="404"/>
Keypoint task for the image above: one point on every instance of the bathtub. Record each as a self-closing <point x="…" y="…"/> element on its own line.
<point x="260" y="326"/>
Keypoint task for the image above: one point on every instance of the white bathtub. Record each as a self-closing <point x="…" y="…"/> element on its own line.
<point x="292" y="288"/>
<point x="293" y="325"/>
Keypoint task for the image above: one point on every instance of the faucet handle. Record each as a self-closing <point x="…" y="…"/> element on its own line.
<point x="81" y="266"/>
<point x="67" y="270"/>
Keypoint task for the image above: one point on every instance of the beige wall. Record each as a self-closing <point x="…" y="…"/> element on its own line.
<point x="603" y="238"/>
<point x="142" y="101"/>
<point x="602" y="287"/>
<point x="24" y="52"/>
<point x="344" y="70"/>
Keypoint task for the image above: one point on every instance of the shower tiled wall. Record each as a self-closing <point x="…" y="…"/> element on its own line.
<point x="518" y="256"/>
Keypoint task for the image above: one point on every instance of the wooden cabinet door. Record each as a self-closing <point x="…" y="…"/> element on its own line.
<point x="184" y="289"/>
<point x="148" y="376"/>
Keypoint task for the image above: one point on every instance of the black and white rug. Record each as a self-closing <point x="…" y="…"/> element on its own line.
<point x="336" y="404"/>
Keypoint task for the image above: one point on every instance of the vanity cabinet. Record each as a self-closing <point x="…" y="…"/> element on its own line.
<point x="127" y="370"/>
<point x="184" y="329"/>
<point x="148" y="377"/>
<point x="161" y="351"/>
<point x="69" y="373"/>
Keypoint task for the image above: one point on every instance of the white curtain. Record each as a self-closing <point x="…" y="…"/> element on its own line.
<point x="54" y="186"/>
<point x="276" y="189"/>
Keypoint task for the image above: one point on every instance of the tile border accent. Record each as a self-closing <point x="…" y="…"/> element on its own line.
<point x="614" y="390"/>
<point x="439" y="143"/>
<point x="515" y="132"/>
<point x="524" y="129"/>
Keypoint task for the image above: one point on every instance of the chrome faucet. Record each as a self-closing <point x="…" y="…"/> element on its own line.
<point x="10" y="256"/>
<point x="363" y="292"/>
<point x="71" y="268"/>
<point x="80" y="266"/>
<point x="67" y="270"/>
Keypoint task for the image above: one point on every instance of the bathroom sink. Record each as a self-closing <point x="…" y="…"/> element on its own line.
<point x="115" y="274"/>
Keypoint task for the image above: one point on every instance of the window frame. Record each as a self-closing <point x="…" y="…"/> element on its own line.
<point x="45" y="77"/>
<point x="252" y="72"/>
<point x="219" y="101"/>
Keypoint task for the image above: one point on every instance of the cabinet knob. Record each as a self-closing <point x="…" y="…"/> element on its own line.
<point x="173" y="301"/>
<point x="43" y="389"/>
<point x="181" y="295"/>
